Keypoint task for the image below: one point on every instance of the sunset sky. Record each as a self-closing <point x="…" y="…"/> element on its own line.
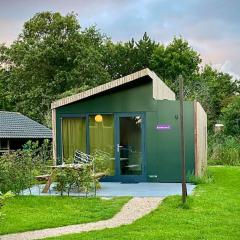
<point x="212" y="27"/>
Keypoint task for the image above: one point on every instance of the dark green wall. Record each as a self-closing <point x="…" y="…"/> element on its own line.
<point x="162" y="147"/>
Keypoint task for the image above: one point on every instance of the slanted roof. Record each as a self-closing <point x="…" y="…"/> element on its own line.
<point x="160" y="90"/>
<point x="16" y="125"/>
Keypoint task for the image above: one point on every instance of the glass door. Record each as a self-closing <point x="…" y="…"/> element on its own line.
<point x="130" y="150"/>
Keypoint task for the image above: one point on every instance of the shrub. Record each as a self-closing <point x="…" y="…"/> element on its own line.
<point x="231" y="117"/>
<point x="102" y="162"/>
<point x="224" y="150"/>
<point x="3" y="198"/>
<point x="83" y="179"/>
<point x="41" y="154"/>
<point x="16" y="172"/>
<point x="18" y="168"/>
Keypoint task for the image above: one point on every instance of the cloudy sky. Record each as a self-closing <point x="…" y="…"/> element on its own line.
<point x="211" y="26"/>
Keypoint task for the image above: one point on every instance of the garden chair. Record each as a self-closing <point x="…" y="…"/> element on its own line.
<point x="83" y="158"/>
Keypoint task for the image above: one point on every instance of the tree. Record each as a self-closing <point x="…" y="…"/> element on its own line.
<point x="177" y="58"/>
<point x="231" y="117"/>
<point x="52" y="55"/>
<point x="220" y="87"/>
<point x="124" y="58"/>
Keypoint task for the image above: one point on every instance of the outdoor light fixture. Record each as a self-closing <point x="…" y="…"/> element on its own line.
<point x="98" y="118"/>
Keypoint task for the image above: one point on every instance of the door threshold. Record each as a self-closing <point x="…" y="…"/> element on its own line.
<point x="129" y="182"/>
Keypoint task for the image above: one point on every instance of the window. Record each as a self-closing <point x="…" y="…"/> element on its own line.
<point x="73" y="137"/>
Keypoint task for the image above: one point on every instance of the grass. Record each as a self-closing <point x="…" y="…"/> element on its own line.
<point x="24" y="213"/>
<point x="213" y="212"/>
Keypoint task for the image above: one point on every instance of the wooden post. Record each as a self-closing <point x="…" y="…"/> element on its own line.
<point x="182" y="142"/>
<point x="8" y="145"/>
<point x="54" y="136"/>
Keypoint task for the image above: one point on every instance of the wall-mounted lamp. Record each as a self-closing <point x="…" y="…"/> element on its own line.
<point x="98" y="118"/>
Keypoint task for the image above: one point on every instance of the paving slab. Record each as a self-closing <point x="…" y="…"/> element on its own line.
<point x="117" y="189"/>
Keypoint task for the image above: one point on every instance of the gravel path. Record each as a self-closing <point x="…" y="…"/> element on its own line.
<point x="136" y="208"/>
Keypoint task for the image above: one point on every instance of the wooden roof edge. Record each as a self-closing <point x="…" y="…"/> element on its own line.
<point x="160" y="89"/>
<point x="200" y="105"/>
<point x="111" y="85"/>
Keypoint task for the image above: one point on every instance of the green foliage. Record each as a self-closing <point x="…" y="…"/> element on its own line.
<point x="53" y="57"/>
<point x="175" y="59"/>
<point x="79" y="178"/>
<point x="16" y="171"/>
<point x="224" y="150"/>
<point x="217" y="87"/>
<point x="102" y="162"/>
<point x="124" y="58"/>
<point x="204" y="179"/>
<point x="4" y="197"/>
<point x="40" y="153"/>
<point x="19" y="168"/>
<point x="83" y="179"/>
<point x="231" y="117"/>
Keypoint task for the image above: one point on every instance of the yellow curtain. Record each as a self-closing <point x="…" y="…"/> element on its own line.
<point x="102" y="136"/>
<point x="73" y="137"/>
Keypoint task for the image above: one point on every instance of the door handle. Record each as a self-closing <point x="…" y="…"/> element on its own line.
<point x="118" y="147"/>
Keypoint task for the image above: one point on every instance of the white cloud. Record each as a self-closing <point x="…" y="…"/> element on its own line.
<point x="227" y="67"/>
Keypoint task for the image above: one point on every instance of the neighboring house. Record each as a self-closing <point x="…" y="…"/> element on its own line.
<point x="136" y="120"/>
<point x="16" y="129"/>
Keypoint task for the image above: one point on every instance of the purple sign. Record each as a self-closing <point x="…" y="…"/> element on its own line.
<point x="163" y="127"/>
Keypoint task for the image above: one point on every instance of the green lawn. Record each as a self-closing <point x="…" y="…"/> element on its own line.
<point x="25" y="213"/>
<point x="214" y="213"/>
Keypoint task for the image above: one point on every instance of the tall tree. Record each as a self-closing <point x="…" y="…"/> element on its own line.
<point x="219" y="88"/>
<point x="231" y="117"/>
<point x="175" y="59"/>
<point x="52" y="55"/>
<point x="123" y="58"/>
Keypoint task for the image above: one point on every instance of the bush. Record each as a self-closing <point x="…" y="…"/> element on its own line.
<point x="83" y="179"/>
<point x="102" y="162"/>
<point x="19" y="168"/>
<point x="231" y="117"/>
<point x="41" y="155"/>
<point x="224" y="150"/>
<point x="16" y="172"/>
<point x="3" y="198"/>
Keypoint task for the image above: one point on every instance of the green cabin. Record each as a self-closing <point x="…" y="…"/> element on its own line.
<point x="135" y="119"/>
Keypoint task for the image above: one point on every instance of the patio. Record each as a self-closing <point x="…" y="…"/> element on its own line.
<point x="117" y="189"/>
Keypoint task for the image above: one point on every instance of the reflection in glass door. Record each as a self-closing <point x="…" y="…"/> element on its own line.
<point x="129" y="146"/>
<point x="101" y="138"/>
